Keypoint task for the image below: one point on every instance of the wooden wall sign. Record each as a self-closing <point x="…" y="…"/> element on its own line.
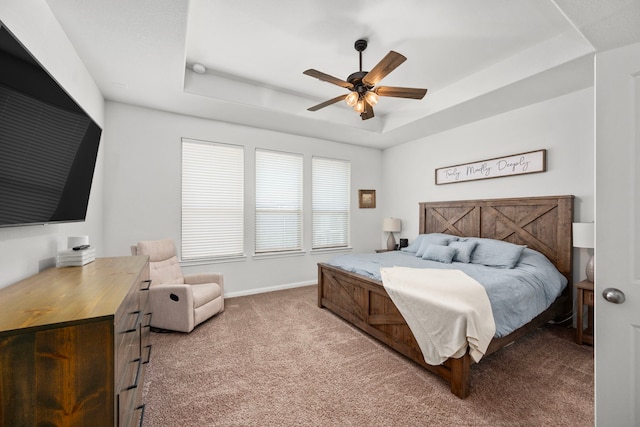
<point x="516" y="164"/>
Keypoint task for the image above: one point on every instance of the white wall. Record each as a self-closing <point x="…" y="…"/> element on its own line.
<point x="563" y="126"/>
<point x="25" y="251"/>
<point x="142" y="190"/>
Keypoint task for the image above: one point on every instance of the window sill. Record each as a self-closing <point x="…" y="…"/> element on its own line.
<point x="217" y="260"/>
<point x="284" y="254"/>
<point x="331" y="250"/>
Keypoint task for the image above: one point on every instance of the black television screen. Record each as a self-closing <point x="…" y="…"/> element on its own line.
<point x="48" y="144"/>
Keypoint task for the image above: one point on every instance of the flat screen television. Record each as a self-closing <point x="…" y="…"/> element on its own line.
<point x="48" y="144"/>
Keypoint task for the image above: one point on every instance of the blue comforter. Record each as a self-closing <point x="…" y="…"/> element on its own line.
<point x="517" y="295"/>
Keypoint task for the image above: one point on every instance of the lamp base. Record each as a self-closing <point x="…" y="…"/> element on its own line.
<point x="391" y="242"/>
<point x="590" y="273"/>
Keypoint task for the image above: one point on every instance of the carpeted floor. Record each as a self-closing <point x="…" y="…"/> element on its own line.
<point x="276" y="359"/>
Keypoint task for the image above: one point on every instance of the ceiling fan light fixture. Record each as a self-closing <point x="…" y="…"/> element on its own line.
<point x="363" y="85"/>
<point x="351" y="99"/>
<point x="371" y="97"/>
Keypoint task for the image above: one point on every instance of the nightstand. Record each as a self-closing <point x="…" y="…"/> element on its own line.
<point x="585" y="298"/>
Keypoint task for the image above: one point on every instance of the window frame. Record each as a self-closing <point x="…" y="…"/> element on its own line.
<point x="200" y="174"/>
<point x="279" y="159"/>
<point x="344" y="200"/>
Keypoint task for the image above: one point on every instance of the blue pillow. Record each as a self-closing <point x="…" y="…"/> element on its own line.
<point x="434" y="239"/>
<point x="496" y="253"/>
<point x="415" y="245"/>
<point x="464" y="249"/>
<point x="439" y="253"/>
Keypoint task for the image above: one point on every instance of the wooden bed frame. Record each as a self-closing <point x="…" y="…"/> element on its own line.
<point x="541" y="223"/>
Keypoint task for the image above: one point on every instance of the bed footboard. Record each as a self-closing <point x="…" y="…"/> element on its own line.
<point x="365" y="303"/>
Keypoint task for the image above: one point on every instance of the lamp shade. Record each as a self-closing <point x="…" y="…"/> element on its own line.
<point x="392" y="224"/>
<point x="583" y="236"/>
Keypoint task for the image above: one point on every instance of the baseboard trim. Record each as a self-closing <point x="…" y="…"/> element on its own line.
<point x="269" y="289"/>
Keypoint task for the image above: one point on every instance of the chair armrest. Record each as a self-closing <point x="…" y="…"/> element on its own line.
<point x="182" y="290"/>
<point x="199" y="278"/>
<point x="172" y="307"/>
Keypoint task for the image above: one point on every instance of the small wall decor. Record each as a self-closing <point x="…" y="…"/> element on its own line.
<point x="516" y="164"/>
<point x="367" y="198"/>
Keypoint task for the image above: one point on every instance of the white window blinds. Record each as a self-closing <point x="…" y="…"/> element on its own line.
<point x="331" y="182"/>
<point x="278" y="201"/>
<point x="212" y="200"/>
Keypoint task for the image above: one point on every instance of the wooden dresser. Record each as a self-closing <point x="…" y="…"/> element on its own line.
<point x="74" y="343"/>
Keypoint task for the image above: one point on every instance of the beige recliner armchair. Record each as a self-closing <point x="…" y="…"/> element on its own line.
<point x="178" y="303"/>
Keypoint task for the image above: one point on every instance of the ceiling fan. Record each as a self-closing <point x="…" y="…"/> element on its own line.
<point x="362" y="84"/>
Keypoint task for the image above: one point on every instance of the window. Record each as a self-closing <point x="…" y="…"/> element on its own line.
<point x="331" y="181"/>
<point x="278" y="201"/>
<point x="212" y="200"/>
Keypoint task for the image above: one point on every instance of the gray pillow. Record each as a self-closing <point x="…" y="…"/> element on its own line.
<point x="432" y="238"/>
<point x="496" y="253"/>
<point x="439" y="253"/>
<point x="464" y="249"/>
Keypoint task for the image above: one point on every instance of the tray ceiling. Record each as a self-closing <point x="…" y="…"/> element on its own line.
<point x="476" y="58"/>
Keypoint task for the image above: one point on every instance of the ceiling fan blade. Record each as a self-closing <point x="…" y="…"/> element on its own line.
<point x="327" y="103"/>
<point x="327" y="78"/>
<point x="401" y="92"/>
<point x="384" y="67"/>
<point x="368" y="111"/>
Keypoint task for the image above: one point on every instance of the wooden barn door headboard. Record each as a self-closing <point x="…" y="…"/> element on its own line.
<point x="541" y="223"/>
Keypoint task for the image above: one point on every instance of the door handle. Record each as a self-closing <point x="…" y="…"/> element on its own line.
<point x="613" y="295"/>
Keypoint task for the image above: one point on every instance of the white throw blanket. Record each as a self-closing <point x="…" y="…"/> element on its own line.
<point x="445" y="309"/>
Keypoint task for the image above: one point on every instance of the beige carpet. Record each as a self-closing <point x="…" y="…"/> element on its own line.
<point x="276" y="359"/>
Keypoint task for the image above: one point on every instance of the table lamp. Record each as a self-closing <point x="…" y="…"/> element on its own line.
<point x="391" y="225"/>
<point x="583" y="237"/>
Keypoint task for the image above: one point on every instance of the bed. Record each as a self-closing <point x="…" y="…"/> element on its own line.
<point x="542" y="224"/>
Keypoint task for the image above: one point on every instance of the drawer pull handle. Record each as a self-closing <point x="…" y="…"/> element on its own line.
<point x="148" y="282"/>
<point x="148" y="353"/>
<point x="135" y="381"/>
<point x="137" y="322"/>
<point x="148" y="323"/>
<point x="141" y="409"/>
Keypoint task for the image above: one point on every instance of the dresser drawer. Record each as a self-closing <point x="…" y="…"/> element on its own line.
<point x="129" y="360"/>
<point x="145" y="337"/>
<point x="126" y="316"/>
<point x="143" y="295"/>
<point x="127" y="402"/>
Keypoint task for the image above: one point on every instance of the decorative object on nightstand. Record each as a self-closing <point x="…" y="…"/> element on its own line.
<point x="392" y="225"/>
<point x="583" y="237"/>
<point x="585" y="298"/>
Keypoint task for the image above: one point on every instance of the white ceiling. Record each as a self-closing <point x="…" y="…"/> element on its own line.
<point x="477" y="58"/>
